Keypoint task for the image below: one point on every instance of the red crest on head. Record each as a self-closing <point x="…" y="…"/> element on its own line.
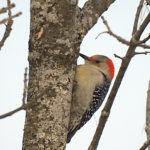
<point x="111" y="68"/>
<point x="91" y="57"/>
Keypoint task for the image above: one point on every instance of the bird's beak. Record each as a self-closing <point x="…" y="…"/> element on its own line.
<point x="85" y="57"/>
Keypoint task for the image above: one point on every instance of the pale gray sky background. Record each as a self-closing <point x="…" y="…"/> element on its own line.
<point x="125" y="128"/>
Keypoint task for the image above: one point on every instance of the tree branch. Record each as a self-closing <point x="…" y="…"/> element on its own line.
<point x="145" y="145"/>
<point x="12" y="17"/>
<point x="120" y="39"/>
<point x="90" y="13"/>
<point x="24" y="106"/>
<point x="142" y="27"/>
<point x="144" y="46"/>
<point x="124" y="65"/>
<point x="8" y="26"/>
<point x="27" y="105"/>
<point x="7" y="33"/>
<point x="13" y="111"/>
<point x="137" y="16"/>
<point x="144" y="40"/>
<point x="142" y="53"/>
<point x="118" y="56"/>
<point x="4" y="9"/>
<point x="8" y="20"/>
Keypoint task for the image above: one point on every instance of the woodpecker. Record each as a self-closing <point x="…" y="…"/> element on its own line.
<point x="92" y="81"/>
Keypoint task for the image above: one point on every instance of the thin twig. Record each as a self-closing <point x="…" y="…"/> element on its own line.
<point x="120" y="39"/>
<point x="144" y="46"/>
<point x="144" y="40"/>
<point x="8" y="26"/>
<point x="7" y="33"/>
<point x="4" y="9"/>
<point x="145" y="145"/>
<point x="140" y="43"/>
<point x="8" y="20"/>
<point x="9" y="8"/>
<point x="105" y="23"/>
<point x="142" y="27"/>
<point x="13" y="16"/>
<point x="25" y="86"/>
<point x="13" y="111"/>
<point x="101" y="34"/>
<point x="118" y="56"/>
<point x="25" y="106"/>
<point x="142" y="53"/>
<point x="137" y="16"/>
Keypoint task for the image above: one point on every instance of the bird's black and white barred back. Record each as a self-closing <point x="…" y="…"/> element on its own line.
<point x="98" y="98"/>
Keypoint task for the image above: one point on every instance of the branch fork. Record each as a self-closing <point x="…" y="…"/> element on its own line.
<point x="132" y="45"/>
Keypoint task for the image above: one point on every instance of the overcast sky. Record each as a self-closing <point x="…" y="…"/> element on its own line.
<point x="125" y="128"/>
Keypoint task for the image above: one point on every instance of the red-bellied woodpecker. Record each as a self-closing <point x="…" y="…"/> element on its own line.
<point x="92" y="81"/>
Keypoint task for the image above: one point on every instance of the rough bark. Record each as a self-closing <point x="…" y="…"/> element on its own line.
<point x="51" y="63"/>
<point x="148" y="115"/>
<point x="56" y="31"/>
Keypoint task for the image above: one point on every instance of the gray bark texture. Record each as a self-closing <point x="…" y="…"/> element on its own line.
<point x="56" y="31"/>
<point x="148" y="115"/>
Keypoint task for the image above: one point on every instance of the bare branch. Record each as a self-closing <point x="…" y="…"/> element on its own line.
<point x="137" y="16"/>
<point x="8" y="20"/>
<point x="8" y="26"/>
<point x="120" y="39"/>
<point x="12" y="112"/>
<point x="101" y="34"/>
<point x="9" y="8"/>
<point x="118" y="56"/>
<point x="142" y="53"/>
<point x="25" y="106"/>
<point x="124" y="65"/>
<point x="144" y="46"/>
<point x="4" y="9"/>
<point x="106" y="24"/>
<point x="12" y="17"/>
<point x="7" y="33"/>
<point x="145" y="145"/>
<point x="140" y="43"/>
<point x="137" y="35"/>
<point x="91" y="11"/>
<point x="144" y="40"/>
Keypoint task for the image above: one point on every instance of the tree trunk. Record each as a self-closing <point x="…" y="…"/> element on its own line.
<point x="51" y="64"/>
<point x="56" y="31"/>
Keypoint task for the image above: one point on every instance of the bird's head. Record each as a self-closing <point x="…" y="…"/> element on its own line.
<point x="104" y="63"/>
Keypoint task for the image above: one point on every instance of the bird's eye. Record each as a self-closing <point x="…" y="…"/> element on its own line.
<point x="97" y="61"/>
